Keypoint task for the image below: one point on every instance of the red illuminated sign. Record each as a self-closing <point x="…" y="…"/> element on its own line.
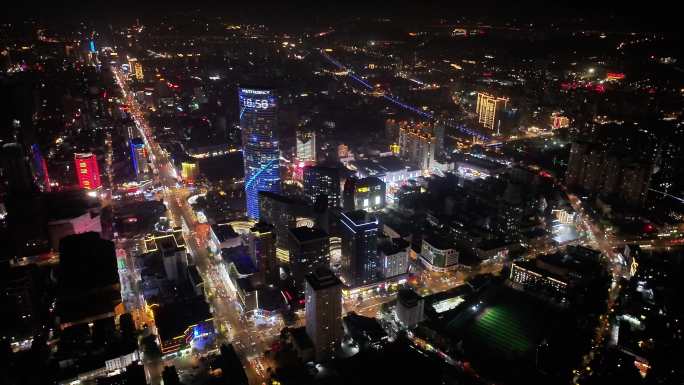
<point x="87" y="171"/>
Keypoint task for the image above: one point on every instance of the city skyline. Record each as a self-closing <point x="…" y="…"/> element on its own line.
<point x="281" y="193"/>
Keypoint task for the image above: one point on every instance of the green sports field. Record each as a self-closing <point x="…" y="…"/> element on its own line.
<point x="507" y="324"/>
<point x="504" y="330"/>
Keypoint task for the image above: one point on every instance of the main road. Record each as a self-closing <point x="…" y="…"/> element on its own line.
<point x="248" y="339"/>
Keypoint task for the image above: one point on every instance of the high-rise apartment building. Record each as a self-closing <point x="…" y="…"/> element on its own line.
<point x="489" y="111"/>
<point x="417" y="144"/>
<point x="593" y="168"/>
<point x="323" y="312"/>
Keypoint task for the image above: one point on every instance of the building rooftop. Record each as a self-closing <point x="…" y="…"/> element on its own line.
<point x="393" y="246"/>
<point x="307" y="234"/>
<point x="322" y="278"/>
<point x="301" y="339"/>
<point x="364" y="328"/>
<point x="359" y="217"/>
<point x="172" y="319"/>
<point x="262" y="227"/>
<point x="165" y="242"/>
<point x="239" y="256"/>
<point x="224" y="231"/>
<point x="408" y="297"/>
<point x="439" y="242"/>
<point x="86" y="262"/>
<point x="83" y="348"/>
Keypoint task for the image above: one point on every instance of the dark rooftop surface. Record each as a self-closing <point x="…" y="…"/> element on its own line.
<point x="408" y="297"/>
<point x="240" y="257"/>
<point x="358" y="217"/>
<point x="172" y="319"/>
<point x="394" y="246"/>
<point x="439" y="242"/>
<point x="301" y="338"/>
<point x="322" y="278"/>
<point x="69" y="204"/>
<point x="262" y="227"/>
<point x="83" y="348"/>
<point x="306" y="234"/>
<point x="364" y="327"/>
<point x="86" y="262"/>
<point x="224" y="231"/>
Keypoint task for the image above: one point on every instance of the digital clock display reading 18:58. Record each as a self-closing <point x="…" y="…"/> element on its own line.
<point x="255" y="103"/>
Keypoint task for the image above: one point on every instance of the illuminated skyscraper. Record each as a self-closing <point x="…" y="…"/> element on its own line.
<point x="258" y="121"/>
<point x="359" y="248"/>
<point x="489" y="110"/>
<point x="87" y="171"/>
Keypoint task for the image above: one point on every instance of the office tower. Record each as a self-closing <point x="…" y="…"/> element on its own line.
<point x="410" y="307"/>
<point x="15" y="171"/>
<point x="87" y="171"/>
<point x="309" y="247"/>
<point x="322" y="181"/>
<point x="417" y="144"/>
<point x="139" y="157"/>
<point x="262" y="250"/>
<point x="359" y="247"/>
<point x="306" y="145"/>
<point x="489" y="111"/>
<point x="323" y="311"/>
<point x="258" y="121"/>
<point x="283" y="213"/>
<point x="364" y="194"/>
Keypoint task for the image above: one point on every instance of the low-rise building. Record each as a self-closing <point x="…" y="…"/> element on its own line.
<point x="393" y="258"/>
<point x="438" y="254"/>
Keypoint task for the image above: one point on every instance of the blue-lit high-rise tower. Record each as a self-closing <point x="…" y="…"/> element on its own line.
<point x="258" y="122"/>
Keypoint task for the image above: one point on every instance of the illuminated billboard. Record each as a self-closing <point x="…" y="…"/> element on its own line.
<point x="87" y="171"/>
